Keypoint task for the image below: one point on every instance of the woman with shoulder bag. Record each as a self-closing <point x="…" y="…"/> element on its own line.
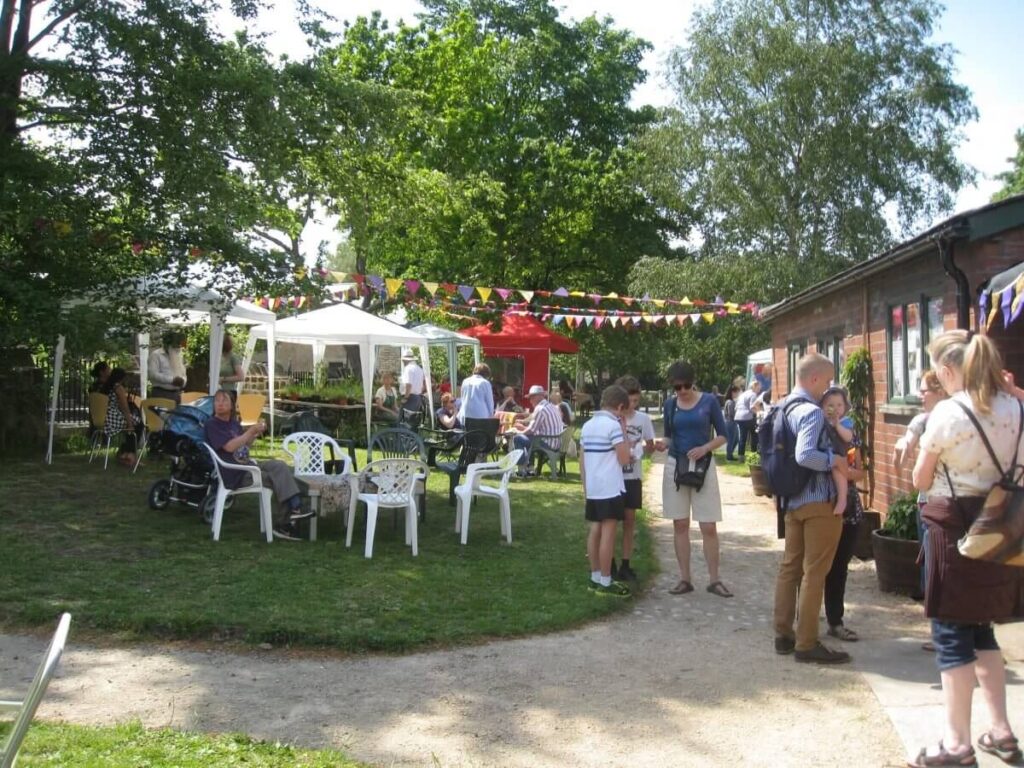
<point x="690" y="482"/>
<point x="964" y="596"/>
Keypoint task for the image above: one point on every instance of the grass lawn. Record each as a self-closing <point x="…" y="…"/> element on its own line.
<point x="131" y="745"/>
<point x="76" y="538"/>
<point x="735" y="468"/>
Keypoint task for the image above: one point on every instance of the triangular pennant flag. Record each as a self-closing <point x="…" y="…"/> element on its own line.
<point x="375" y="280"/>
<point x="638" y="320"/>
<point x="680" y="320"/>
<point x="612" y="295"/>
<point x="709" y="317"/>
<point x="485" y="293"/>
<point x="596" y="297"/>
<point x="448" y="287"/>
<point x="598" y="322"/>
<point x="528" y="295"/>
<point x="685" y="300"/>
<point x="393" y="284"/>
<point x="695" y="318"/>
<point x="431" y="287"/>
<point x="659" y="302"/>
<point x="466" y="291"/>
<point x="575" y="293"/>
<point x="338" y="277"/>
<point x="628" y="301"/>
<point x="557" y="319"/>
<point x="412" y="287"/>
<point x="503" y="292"/>
<point x="561" y="292"/>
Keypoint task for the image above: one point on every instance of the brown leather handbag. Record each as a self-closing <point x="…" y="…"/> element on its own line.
<point x="997" y="533"/>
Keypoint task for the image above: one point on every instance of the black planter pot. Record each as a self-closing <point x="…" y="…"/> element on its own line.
<point x="896" y="564"/>
<point x="862" y="548"/>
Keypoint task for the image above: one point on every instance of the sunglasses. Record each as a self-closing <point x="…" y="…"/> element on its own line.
<point x="682" y="385"/>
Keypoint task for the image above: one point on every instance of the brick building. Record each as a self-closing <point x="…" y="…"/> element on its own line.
<point x="891" y="305"/>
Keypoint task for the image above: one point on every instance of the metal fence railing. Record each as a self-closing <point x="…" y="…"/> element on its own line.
<point x="73" y="392"/>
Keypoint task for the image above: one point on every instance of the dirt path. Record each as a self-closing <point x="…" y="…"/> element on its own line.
<point x="678" y="681"/>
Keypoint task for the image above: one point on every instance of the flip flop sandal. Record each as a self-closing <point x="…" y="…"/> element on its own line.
<point x="681" y="588"/>
<point x="924" y="760"/>
<point x="718" y="588"/>
<point x="1007" y="750"/>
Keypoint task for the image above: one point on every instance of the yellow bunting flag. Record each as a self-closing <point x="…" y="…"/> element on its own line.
<point x="528" y="295"/>
<point x="709" y="317"/>
<point x="393" y="284"/>
<point x="659" y="302"/>
<point x="338" y="277"/>
<point x="485" y="293"/>
<point x="431" y="287"/>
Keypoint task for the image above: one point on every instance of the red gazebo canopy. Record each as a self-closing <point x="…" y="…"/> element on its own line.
<point x="524" y="337"/>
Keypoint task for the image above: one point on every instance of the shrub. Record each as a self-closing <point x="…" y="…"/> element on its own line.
<point x="901" y="518"/>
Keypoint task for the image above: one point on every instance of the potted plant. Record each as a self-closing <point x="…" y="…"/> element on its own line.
<point x="757" y="476"/>
<point x="896" y="548"/>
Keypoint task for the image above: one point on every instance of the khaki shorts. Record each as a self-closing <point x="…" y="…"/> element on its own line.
<point x="704" y="506"/>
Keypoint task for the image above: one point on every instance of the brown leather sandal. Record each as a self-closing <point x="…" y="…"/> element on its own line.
<point x="718" y="588"/>
<point x="1006" y="749"/>
<point x="681" y="588"/>
<point x="924" y="760"/>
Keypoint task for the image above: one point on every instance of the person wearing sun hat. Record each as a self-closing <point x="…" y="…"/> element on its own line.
<point x="545" y="420"/>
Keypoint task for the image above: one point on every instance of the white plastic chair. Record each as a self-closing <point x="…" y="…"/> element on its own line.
<point x="223" y="492"/>
<point x="473" y="487"/>
<point x="307" y="452"/>
<point x="26" y="709"/>
<point x="151" y="422"/>
<point x="395" y="480"/>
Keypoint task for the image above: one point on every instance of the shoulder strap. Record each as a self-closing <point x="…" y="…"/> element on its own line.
<point x="670" y="422"/>
<point x="985" y="440"/>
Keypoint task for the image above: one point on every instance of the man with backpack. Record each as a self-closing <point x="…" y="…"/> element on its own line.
<point x="798" y="461"/>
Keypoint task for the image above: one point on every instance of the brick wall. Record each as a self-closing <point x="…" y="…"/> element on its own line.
<point x="858" y="314"/>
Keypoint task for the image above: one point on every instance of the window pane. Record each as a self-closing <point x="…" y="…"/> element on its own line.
<point x="896" y="353"/>
<point x="915" y="350"/>
<point x="934" y="318"/>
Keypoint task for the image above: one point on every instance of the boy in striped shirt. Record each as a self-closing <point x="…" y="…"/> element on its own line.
<point x="605" y="453"/>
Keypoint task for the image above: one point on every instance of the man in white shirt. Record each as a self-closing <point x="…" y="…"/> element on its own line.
<point x="414" y="382"/>
<point x="545" y="420"/>
<point x="477" y="395"/>
<point x="746" y="418"/>
<point x="166" y="367"/>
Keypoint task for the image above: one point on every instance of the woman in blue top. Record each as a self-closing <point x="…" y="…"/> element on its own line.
<point x="689" y="418"/>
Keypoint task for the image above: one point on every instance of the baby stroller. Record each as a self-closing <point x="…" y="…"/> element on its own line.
<point x="182" y="439"/>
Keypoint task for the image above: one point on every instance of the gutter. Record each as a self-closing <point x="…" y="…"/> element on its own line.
<point x="945" y="241"/>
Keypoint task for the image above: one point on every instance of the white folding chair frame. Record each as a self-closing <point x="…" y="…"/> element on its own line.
<point x="390" y="497"/>
<point x="265" y="494"/>
<point x="307" y="452"/>
<point x="26" y="709"/>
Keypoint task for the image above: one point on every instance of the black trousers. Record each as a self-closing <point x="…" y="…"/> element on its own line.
<point x="835" y="582"/>
<point x="748" y="434"/>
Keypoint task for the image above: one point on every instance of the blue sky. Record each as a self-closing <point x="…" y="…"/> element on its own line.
<point x="987" y="34"/>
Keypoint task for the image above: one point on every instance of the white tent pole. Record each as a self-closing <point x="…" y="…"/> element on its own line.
<point x="272" y="380"/>
<point x="367" y="358"/>
<point x="319" y="352"/>
<point x="216" y="350"/>
<point x="425" y="355"/>
<point x="250" y="346"/>
<point x="58" y="362"/>
<point x="143" y="342"/>
<point x="452" y="347"/>
<point x="476" y="354"/>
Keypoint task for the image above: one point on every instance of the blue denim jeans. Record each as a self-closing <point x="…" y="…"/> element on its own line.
<point x="955" y="644"/>
<point x="732" y="435"/>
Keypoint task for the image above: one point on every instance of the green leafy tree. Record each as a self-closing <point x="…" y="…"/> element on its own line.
<point x="802" y="125"/>
<point x="519" y="167"/>
<point x="1013" y="179"/>
<point x="134" y="140"/>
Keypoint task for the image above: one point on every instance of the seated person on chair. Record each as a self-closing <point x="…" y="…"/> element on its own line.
<point x="563" y="408"/>
<point x="508" y="404"/>
<point x="123" y="417"/>
<point x="385" y="401"/>
<point x="225" y="435"/>
<point x="545" y="419"/>
<point x="447" y="414"/>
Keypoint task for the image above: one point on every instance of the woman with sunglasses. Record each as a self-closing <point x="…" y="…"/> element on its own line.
<point x="689" y="418"/>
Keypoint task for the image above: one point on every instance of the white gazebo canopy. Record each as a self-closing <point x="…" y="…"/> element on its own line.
<point x="181" y="305"/>
<point x="344" y="324"/>
<point x="451" y="341"/>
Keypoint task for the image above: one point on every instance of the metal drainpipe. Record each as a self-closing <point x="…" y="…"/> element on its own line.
<point x="963" y="287"/>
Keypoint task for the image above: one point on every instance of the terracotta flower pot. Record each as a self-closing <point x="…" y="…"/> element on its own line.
<point x="759" y="480"/>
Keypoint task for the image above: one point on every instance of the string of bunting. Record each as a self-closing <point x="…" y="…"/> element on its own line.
<point x="393" y="287"/>
<point x="1007" y="303"/>
<point x="580" y="321"/>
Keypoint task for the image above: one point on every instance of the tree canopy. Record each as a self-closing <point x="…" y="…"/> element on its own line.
<point x="1013" y="179"/>
<point x="804" y="126"/>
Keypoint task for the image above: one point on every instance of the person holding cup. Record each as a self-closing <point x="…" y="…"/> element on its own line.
<point x="224" y="433"/>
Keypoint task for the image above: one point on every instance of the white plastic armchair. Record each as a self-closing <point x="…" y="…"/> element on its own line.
<point x="307" y="452"/>
<point x="395" y="481"/>
<point x="223" y="492"/>
<point x="474" y="487"/>
<point x="26" y="709"/>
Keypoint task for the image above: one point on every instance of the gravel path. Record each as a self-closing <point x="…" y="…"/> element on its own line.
<point x="682" y="681"/>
